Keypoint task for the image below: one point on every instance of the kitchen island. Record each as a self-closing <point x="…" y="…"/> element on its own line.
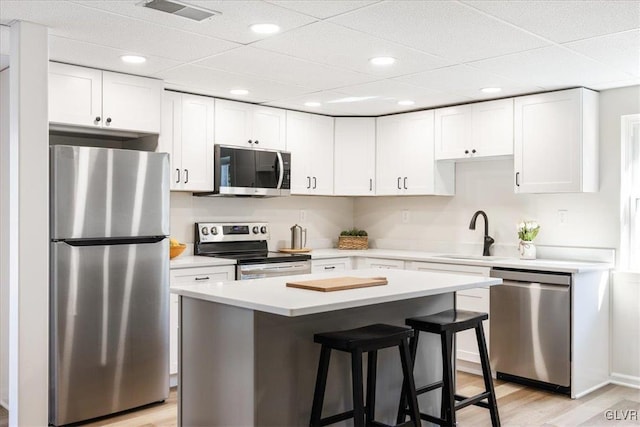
<point x="247" y="355"/>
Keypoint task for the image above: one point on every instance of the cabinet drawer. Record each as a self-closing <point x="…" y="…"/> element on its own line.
<point x="336" y="264"/>
<point x="395" y="264"/>
<point x="449" y="268"/>
<point x="185" y="276"/>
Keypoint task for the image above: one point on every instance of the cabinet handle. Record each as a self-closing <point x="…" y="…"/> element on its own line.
<point x="186" y="176"/>
<point x="329" y="267"/>
<point x="370" y="184"/>
<point x="98" y="119"/>
<point x="256" y="142"/>
<point x="314" y="182"/>
<point x="517" y="179"/>
<point x="202" y="278"/>
<point x="308" y="182"/>
<point x="405" y="183"/>
<point x="108" y="119"/>
<point x="473" y="151"/>
<point x="178" y="180"/>
<point x="466" y="151"/>
<point x="250" y="142"/>
<point x="399" y="188"/>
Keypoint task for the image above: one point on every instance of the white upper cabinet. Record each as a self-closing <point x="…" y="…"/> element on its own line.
<point x="90" y="98"/>
<point x="483" y="129"/>
<point x="405" y="162"/>
<point x="556" y="142"/>
<point x="310" y="141"/>
<point x="187" y="134"/>
<point x="248" y="125"/>
<point x="355" y="156"/>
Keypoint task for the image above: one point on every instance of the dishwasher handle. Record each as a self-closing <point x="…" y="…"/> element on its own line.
<point x="532" y="276"/>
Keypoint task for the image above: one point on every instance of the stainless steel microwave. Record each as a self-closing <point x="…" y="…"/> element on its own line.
<point x="240" y="171"/>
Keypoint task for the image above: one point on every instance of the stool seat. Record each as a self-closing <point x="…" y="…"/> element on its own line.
<point x="367" y="339"/>
<point x="449" y="320"/>
<point x="376" y="336"/>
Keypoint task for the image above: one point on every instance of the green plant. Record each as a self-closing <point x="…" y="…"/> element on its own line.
<point x="528" y="230"/>
<point x="354" y="232"/>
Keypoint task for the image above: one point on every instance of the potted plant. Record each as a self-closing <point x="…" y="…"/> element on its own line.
<point x="353" y="238"/>
<point x="527" y="231"/>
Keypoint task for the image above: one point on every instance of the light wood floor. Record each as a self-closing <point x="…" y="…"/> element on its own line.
<point x="517" y="405"/>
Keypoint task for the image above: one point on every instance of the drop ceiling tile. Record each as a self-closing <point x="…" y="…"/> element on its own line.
<point x="233" y="24"/>
<point x="621" y="51"/>
<point x="458" y="79"/>
<point x="322" y="9"/>
<point x="616" y="84"/>
<point x="218" y="83"/>
<point x="106" y="58"/>
<point x="297" y="103"/>
<point x="563" y="21"/>
<point x="444" y="28"/>
<point x="283" y="68"/>
<point x="341" y="47"/>
<point x="551" y="68"/>
<point x="77" y="22"/>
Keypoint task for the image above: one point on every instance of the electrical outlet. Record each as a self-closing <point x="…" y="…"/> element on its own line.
<point x="405" y="216"/>
<point x="563" y="216"/>
<point x="303" y="215"/>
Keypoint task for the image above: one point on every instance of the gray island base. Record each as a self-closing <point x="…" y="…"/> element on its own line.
<point x="244" y="366"/>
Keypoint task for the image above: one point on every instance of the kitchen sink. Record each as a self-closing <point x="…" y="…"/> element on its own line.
<point x="472" y="257"/>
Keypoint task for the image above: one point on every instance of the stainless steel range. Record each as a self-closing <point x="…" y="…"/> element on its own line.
<point x="247" y="244"/>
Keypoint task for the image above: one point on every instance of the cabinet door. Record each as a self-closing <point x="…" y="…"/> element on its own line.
<point x="299" y="144"/>
<point x="466" y="342"/>
<point x="355" y="157"/>
<point x="268" y="128"/>
<point x="390" y="148"/>
<point x="197" y="143"/>
<point x="321" y="160"/>
<point x="453" y="132"/>
<point x="328" y="265"/>
<point x="186" y="276"/>
<point x="393" y="264"/>
<point x="75" y="95"/>
<point x="170" y="138"/>
<point x="131" y="103"/>
<point x="233" y="123"/>
<point x="492" y="128"/>
<point x="548" y="149"/>
<point x="416" y="139"/>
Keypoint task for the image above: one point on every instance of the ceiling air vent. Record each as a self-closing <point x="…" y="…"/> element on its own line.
<point x="180" y="9"/>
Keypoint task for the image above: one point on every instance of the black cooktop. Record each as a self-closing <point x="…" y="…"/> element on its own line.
<point x="259" y="257"/>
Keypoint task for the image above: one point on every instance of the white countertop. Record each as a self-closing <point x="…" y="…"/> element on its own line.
<point x="190" y="261"/>
<point x="271" y="295"/>
<point x="493" y="261"/>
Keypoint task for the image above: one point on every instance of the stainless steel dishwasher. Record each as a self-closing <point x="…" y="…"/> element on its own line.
<point x="531" y="328"/>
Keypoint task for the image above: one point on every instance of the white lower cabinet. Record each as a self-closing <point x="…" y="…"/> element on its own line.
<point x="333" y="264"/>
<point x="185" y="276"/>
<point x="394" y="264"/>
<point x="471" y="299"/>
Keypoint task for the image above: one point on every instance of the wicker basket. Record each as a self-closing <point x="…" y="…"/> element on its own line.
<point x="353" y="242"/>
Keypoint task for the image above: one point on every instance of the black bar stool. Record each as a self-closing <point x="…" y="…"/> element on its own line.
<point x="446" y="324"/>
<point x="368" y="339"/>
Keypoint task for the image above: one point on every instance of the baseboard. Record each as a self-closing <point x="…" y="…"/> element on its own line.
<point x="625" y="380"/>
<point x="589" y="390"/>
<point x="468" y="366"/>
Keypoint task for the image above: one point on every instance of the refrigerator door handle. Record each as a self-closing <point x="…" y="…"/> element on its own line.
<point x="112" y="241"/>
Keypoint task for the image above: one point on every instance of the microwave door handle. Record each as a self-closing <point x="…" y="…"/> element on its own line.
<point x="281" y="168"/>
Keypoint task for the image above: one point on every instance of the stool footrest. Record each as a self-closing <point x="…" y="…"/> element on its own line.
<point x="429" y="387"/>
<point x="473" y="400"/>
<point x="336" y="418"/>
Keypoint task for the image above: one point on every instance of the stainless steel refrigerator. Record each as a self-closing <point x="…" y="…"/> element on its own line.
<point x="109" y="282"/>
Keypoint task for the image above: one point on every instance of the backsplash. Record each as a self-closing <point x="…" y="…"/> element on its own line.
<point x="325" y="216"/>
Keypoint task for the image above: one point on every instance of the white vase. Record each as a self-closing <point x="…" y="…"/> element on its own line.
<point x="527" y="250"/>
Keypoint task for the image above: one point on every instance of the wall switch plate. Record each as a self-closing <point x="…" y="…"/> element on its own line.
<point x="303" y="215"/>
<point x="563" y="216"/>
<point x="405" y="216"/>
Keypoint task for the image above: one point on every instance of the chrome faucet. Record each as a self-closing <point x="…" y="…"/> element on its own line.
<point x="488" y="240"/>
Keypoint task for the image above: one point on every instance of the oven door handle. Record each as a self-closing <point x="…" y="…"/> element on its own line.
<point x="275" y="268"/>
<point x="281" y="170"/>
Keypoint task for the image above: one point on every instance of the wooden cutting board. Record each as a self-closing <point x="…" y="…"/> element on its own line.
<point x="294" y="251"/>
<point x="338" y="283"/>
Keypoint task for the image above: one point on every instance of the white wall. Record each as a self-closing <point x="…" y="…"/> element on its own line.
<point x="325" y="216"/>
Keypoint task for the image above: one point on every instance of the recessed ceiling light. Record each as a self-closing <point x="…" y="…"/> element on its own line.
<point x="265" y="28"/>
<point x="491" y="89"/>
<point x="239" y="92"/>
<point x="382" y="60"/>
<point x="312" y="104"/>
<point x="406" y="102"/>
<point x="133" y="59"/>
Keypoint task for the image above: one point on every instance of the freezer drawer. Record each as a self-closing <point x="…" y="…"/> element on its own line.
<point x="109" y="336"/>
<point x="105" y="193"/>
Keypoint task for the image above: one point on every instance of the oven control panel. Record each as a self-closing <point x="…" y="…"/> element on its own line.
<point x="207" y="232"/>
